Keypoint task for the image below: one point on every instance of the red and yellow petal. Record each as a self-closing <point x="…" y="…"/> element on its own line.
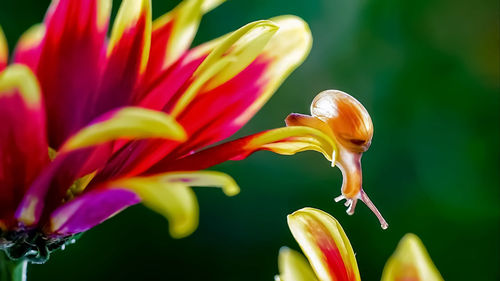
<point x="70" y="63"/>
<point x="127" y="56"/>
<point x="286" y="141"/>
<point x="4" y="52"/>
<point x="29" y="46"/>
<point x="325" y="244"/>
<point x="23" y="140"/>
<point x="410" y="262"/>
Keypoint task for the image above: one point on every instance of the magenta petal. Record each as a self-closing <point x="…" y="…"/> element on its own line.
<point x="90" y="210"/>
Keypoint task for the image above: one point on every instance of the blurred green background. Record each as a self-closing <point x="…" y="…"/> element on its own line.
<point x="428" y="73"/>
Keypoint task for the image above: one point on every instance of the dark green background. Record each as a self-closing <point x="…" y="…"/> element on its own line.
<point x="427" y="71"/>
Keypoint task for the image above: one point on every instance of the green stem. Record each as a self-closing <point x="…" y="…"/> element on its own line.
<point x="12" y="270"/>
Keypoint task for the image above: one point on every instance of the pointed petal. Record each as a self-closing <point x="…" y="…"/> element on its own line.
<point x="287" y="141"/>
<point x="127" y="56"/>
<point x="70" y="63"/>
<point x="294" y="267"/>
<point x="126" y="123"/>
<point x="325" y="244"/>
<point x="410" y="262"/>
<point x="23" y="141"/>
<point x="4" y="52"/>
<point x="29" y="46"/>
<point x="89" y="210"/>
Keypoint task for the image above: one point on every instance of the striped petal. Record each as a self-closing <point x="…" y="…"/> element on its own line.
<point x="286" y="141"/>
<point x="410" y="262"/>
<point x="4" y="52"/>
<point x="127" y="56"/>
<point x="294" y="267"/>
<point x="83" y="154"/>
<point x="170" y="195"/>
<point x="23" y="141"/>
<point x="70" y="63"/>
<point x="325" y="244"/>
<point x="29" y="46"/>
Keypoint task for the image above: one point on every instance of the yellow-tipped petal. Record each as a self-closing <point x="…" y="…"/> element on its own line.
<point x="129" y="123"/>
<point x="4" y="51"/>
<point x="204" y="178"/>
<point x="286" y="50"/>
<point x="228" y="56"/>
<point x="294" y="267"/>
<point x="410" y="261"/>
<point x="31" y="37"/>
<point x="291" y="140"/>
<point x="129" y="14"/>
<point x="19" y="78"/>
<point x="103" y="13"/>
<point x="170" y="195"/>
<point x="186" y="19"/>
<point x="325" y="244"/>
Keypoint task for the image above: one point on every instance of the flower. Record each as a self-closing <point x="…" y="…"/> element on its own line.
<point x="332" y="258"/>
<point x="92" y="126"/>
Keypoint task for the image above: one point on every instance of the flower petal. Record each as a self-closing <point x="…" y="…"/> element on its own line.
<point x="29" y="46"/>
<point x="127" y="56"/>
<point x="294" y="267"/>
<point x="4" y="52"/>
<point x="70" y="63"/>
<point x="23" y="140"/>
<point x="410" y="262"/>
<point x="128" y="123"/>
<point x="325" y="244"/>
<point x="287" y="141"/>
<point x="89" y="210"/>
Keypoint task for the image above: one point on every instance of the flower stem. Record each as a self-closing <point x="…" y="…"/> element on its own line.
<point x="12" y="270"/>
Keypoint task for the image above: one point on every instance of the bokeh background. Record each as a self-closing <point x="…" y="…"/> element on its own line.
<point x="427" y="71"/>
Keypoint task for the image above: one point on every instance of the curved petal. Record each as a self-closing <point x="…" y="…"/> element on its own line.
<point x="294" y="267"/>
<point x="128" y="122"/>
<point x="4" y="52"/>
<point x="29" y="46"/>
<point x="23" y="140"/>
<point x="325" y="244"/>
<point x="70" y="63"/>
<point x="410" y="261"/>
<point x="287" y="141"/>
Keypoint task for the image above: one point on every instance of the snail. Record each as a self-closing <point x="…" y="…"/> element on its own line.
<point x="347" y="122"/>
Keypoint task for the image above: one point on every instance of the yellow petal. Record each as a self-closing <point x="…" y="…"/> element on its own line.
<point x="19" y="78"/>
<point x="325" y="244"/>
<point x="410" y="261"/>
<point x="294" y="267"/>
<point x="170" y="195"/>
<point x="31" y="37"/>
<point x="128" y="123"/>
